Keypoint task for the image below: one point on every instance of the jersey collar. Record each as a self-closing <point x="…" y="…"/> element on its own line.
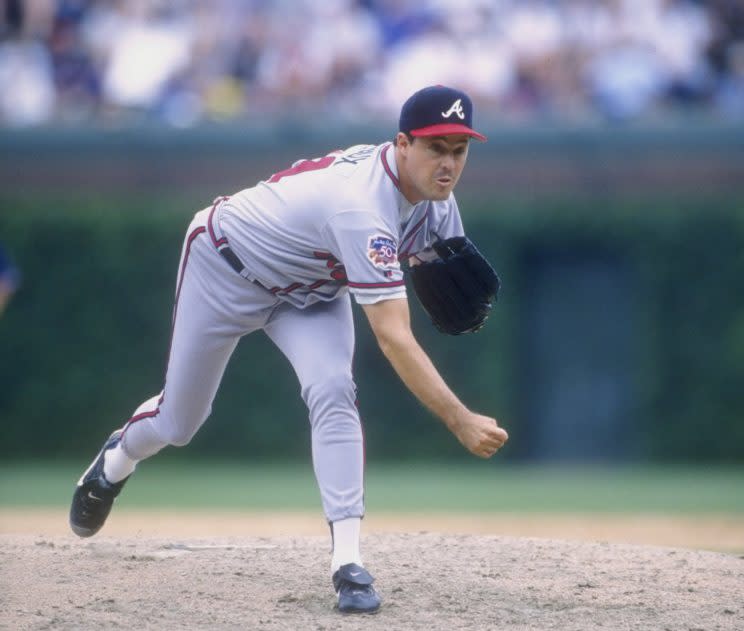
<point x="405" y="208"/>
<point x="391" y="168"/>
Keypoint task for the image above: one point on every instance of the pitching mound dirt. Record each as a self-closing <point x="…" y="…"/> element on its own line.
<point x="428" y="581"/>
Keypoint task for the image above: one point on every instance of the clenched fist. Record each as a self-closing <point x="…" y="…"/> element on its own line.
<point x="480" y="434"/>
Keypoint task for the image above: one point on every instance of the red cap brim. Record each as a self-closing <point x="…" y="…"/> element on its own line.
<point x="447" y="129"/>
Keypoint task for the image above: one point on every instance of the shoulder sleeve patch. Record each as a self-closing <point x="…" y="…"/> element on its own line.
<point x="382" y="251"/>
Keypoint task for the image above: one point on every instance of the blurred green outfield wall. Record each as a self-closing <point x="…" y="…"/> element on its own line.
<point x="619" y="333"/>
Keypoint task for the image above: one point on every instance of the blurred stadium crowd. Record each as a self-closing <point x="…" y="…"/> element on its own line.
<point x="183" y="62"/>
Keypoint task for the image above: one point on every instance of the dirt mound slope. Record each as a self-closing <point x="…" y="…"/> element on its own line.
<point x="427" y="581"/>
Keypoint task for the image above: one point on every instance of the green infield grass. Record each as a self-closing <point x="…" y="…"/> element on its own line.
<point x="486" y="486"/>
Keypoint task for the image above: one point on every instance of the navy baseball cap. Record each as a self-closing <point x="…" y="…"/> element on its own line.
<point x="438" y="111"/>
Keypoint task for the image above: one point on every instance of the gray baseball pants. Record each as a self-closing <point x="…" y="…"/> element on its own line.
<point x="214" y="308"/>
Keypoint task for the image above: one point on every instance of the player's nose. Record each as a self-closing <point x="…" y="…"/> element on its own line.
<point x="448" y="162"/>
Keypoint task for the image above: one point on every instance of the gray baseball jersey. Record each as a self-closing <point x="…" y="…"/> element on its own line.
<point x="299" y="242"/>
<point x="332" y="224"/>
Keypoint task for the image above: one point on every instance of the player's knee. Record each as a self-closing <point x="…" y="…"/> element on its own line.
<point x="179" y="434"/>
<point x="180" y="439"/>
<point x="324" y="395"/>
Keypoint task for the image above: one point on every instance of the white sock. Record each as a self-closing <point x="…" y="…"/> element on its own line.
<point x="117" y="465"/>
<point x="346" y="542"/>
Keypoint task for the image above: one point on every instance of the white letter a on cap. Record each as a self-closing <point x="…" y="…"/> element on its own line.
<point x="455" y="109"/>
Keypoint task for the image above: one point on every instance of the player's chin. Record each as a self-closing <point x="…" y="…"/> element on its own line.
<point x="441" y="191"/>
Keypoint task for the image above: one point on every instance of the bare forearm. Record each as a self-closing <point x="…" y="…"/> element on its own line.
<point x="421" y="377"/>
<point x="390" y="322"/>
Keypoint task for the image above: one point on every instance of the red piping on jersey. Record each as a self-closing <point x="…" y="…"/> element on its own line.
<point x="395" y="283"/>
<point x="223" y="240"/>
<point x="388" y="170"/>
<point x="156" y="411"/>
<point x="319" y="283"/>
<point x="290" y="288"/>
<point x="414" y="231"/>
<point x="287" y="289"/>
<point x="323" y="255"/>
<point x="396" y="181"/>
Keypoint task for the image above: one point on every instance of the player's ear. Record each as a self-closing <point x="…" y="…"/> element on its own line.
<point x="403" y="140"/>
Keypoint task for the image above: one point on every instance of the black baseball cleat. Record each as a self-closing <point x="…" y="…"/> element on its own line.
<point x="94" y="495"/>
<point x="353" y="585"/>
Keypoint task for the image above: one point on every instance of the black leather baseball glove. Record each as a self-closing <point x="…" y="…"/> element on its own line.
<point x="458" y="289"/>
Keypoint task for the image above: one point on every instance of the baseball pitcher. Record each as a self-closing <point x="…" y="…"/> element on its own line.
<point x="285" y="257"/>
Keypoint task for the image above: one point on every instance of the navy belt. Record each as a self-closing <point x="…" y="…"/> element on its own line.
<point x="234" y="262"/>
<point x="220" y="242"/>
<point x="232" y="259"/>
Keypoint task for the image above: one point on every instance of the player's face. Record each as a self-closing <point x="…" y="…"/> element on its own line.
<point x="432" y="165"/>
